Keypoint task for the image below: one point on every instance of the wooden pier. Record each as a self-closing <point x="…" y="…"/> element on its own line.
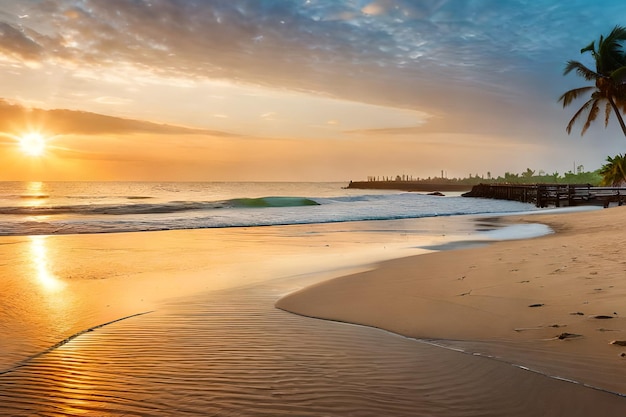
<point x="546" y="195"/>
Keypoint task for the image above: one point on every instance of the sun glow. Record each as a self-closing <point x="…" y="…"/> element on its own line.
<point x="32" y="144"/>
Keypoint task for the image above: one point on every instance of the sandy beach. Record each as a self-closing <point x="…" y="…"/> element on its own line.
<point x="184" y="322"/>
<point x="554" y="304"/>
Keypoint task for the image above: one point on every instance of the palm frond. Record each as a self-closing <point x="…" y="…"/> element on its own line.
<point x="577" y="115"/>
<point x="607" y="113"/>
<point x="573" y="94"/>
<point x="617" y="35"/>
<point x="610" y="54"/>
<point x="619" y="75"/>
<point x="608" y="172"/>
<point x="591" y="117"/>
<point x="581" y="70"/>
<point x="614" y="171"/>
<point x="589" y="48"/>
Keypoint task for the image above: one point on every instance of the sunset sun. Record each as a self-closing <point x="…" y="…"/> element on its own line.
<point x="32" y="144"/>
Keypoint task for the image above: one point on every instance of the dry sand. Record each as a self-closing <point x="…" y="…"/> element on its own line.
<point x="511" y="300"/>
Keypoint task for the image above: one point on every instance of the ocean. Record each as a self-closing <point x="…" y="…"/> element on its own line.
<point x="183" y="322"/>
<point x="50" y="208"/>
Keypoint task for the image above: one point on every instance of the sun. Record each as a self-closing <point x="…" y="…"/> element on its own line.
<point x="32" y="144"/>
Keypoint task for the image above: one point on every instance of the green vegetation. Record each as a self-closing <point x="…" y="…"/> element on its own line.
<point x="529" y="176"/>
<point x="614" y="171"/>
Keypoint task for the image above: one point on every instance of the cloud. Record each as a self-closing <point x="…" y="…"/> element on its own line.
<point x="240" y="38"/>
<point x="413" y="130"/>
<point x="228" y="38"/>
<point x="271" y="115"/>
<point x="15" y="118"/>
<point x="16" y="43"/>
<point x="114" y="101"/>
<point x="433" y="55"/>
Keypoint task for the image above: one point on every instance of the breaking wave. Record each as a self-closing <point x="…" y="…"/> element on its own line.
<point x="157" y="208"/>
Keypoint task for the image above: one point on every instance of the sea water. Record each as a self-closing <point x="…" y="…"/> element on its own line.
<point x="48" y="208"/>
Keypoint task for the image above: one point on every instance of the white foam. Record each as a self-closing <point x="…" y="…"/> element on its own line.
<point x="517" y="231"/>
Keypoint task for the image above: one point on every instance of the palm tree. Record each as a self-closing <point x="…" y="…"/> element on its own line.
<point x="609" y="78"/>
<point x="529" y="173"/>
<point x="614" y="171"/>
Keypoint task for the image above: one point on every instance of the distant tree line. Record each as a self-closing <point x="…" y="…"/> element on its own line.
<point x="529" y="176"/>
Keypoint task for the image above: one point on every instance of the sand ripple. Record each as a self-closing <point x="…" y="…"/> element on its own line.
<point x="232" y="354"/>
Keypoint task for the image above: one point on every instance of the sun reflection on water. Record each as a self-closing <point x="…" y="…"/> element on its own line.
<point x="35" y="194"/>
<point x="45" y="277"/>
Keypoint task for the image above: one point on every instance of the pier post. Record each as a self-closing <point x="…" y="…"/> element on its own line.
<point x="541" y="193"/>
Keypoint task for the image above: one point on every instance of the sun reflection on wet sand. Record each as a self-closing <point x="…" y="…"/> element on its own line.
<point x="39" y="253"/>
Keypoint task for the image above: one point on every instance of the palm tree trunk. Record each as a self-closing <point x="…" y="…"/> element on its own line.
<point x="619" y="116"/>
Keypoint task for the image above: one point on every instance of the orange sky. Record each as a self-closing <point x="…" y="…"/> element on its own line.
<point x="305" y="90"/>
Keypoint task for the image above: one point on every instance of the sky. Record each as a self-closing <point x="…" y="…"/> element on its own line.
<point x="295" y="90"/>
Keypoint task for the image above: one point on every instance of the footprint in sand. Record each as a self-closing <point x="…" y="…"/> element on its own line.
<point x="564" y="336"/>
<point x="523" y="329"/>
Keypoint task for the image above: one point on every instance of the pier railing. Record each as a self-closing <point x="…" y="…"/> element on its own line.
<point x="557" y="195"/>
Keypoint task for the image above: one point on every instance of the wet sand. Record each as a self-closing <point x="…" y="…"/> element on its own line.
<point x="184" y="323"/>
<point x="553" y="304"/>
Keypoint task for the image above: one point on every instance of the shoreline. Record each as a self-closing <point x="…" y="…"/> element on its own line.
<point x="550" y="295"/>
<point x="211" y="296"/>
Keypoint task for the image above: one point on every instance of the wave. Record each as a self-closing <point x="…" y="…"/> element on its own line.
<point x="33" y="196"/>
<point x="273" y="202"/>
<point x="134" y="215"/>
<point x="106" y="209"/>
<point x="157" y="208"/>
